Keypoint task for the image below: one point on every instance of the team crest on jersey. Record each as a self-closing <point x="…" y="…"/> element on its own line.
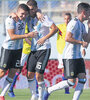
<point x="72" y="73"/>
<point x="4" y="65"/>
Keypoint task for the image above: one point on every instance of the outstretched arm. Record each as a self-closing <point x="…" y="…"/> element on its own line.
<point x="15" y="36"/>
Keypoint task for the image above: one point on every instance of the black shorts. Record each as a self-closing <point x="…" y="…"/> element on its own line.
<point x="38" y="60"/>
<point x="72" y="67"/>
<point x="10" y="58"/>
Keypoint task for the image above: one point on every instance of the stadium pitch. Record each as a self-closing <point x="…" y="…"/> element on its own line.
<point x="24" y="94"/>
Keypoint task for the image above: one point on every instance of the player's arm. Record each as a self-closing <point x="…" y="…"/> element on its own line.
<point x="40" y="16"/>
<point x="14" y="36"/>
<point x="53" y="30"/>
<point x="69" y="38"/>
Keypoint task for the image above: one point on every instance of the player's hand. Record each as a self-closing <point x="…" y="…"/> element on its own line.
<point x="32" y="34"/>
<point x="40" y="16"/>
<point x="14" y="16"/>
<point x="41" y="41"/>
<point x="85" y="44"/>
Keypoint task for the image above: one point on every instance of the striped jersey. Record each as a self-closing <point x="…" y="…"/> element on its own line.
<point x="61" y="38"/>
<point x="19" y="29"/>
<point x="43" y="28"/>
<point x="77" y="29"/>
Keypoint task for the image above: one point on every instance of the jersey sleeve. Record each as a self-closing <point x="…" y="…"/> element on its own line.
<point x="72" y="26"/>
<point x="10" y="23"/>
<point x="47" y="21"/>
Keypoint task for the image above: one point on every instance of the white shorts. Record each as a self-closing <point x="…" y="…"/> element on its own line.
<point x="24" y="58"/>
<point x="60" y="61"/>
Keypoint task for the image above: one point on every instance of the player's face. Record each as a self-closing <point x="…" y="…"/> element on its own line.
<point x="33" y="11"/>
<point x="22" y="14"/>
<point x="86" y="14"/>
<point x="67" y="19"/>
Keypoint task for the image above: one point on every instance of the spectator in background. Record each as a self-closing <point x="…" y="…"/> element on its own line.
<point x="61" y="44"/>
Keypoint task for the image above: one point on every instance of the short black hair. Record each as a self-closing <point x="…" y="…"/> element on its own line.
<point x="68" y="14"/>
<point x="83" y="6"/>
<point x="32" y="3"/>
<point x="24" y="7"/>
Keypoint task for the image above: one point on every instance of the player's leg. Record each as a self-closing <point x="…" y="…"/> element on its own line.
<point x="11" y="92"/>
<point x="68" y="69"/>
<point x="4" y="66"/>
<point x="23" y="60"/>
<point x="81" y="79"/>
<point x="14" y="63"/>
<point x="31" y="63"/>
<point x="60" y="66"/>
<point x="36" y="85"/>
<point x="43" y="57"/>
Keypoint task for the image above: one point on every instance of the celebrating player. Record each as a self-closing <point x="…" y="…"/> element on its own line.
<point x="12" y="46"/>
<point x="73" y="62"/>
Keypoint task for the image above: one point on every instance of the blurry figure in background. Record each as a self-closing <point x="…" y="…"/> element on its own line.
<point x="25" y="53"/>
<point x="61" y="44"/>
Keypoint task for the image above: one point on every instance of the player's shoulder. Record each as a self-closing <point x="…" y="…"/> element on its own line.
<point x="61" y="25"/>
<point x="10" y="20"/>
<point x="73" y="22"/>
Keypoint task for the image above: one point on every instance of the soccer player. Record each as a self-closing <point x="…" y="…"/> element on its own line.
<point x="40" y="51"/>
<point x="73" y="62"/>
<point x="12" y="46"/>
<point x="61" y="44"/>
<point x="25" y="53"/>
<point x="31" y="22"/>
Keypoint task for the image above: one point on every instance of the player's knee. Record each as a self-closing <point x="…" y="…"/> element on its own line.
<point x="30" y="75"/>
<point x="39" y="77"/>
<point x="71" y="83"/>
<point x="83" y="81"/>
<point x="82" y="78"/>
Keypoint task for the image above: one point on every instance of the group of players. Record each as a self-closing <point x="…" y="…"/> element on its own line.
<point x="36" y="48"/>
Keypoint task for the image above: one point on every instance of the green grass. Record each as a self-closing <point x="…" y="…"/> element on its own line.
<point x="24" y="94"/>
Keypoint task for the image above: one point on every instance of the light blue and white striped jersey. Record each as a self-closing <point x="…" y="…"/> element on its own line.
<point x="19" y="28"/>
<point x="73" y="51"/>
<point x="43" y="29"/>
